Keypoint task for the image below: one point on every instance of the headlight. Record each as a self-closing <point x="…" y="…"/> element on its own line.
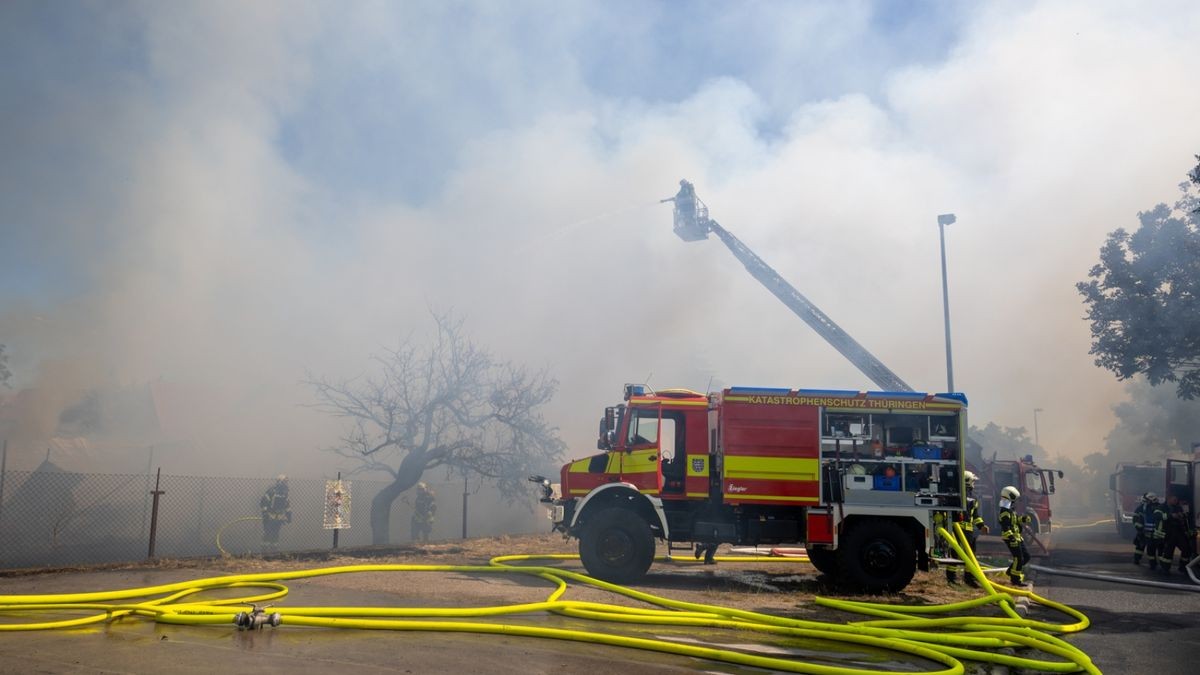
<point x="547" y="487"/>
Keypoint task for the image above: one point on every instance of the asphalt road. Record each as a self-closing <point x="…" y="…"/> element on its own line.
<point x="1135" y="629"/>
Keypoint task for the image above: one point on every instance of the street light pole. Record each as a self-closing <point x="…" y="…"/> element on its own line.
<point x="944" y="220"/>
<point x="1036" y="442"/>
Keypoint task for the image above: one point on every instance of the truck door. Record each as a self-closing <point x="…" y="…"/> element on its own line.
<point x="640" y="463"/>
<point x="1181" y="482"/>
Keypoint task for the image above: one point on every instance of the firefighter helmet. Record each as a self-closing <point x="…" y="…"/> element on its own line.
<point x="1151" y="497"/>
<point x="970" y="478"/>
<point x="1010" y="493"/>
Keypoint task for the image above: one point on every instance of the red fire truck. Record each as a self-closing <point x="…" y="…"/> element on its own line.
<point x="1033" y="482"/>
<point x="1132" y="480"/>
<point x="861" y="479"/>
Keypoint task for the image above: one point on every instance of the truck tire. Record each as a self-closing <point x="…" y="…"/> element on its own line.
<point x="824" y="560"/>
<point x="616" y="545"/>
<point x="878" y="556"/>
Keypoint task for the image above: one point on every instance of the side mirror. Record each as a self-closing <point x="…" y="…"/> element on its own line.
<point x="1051" y="475"/>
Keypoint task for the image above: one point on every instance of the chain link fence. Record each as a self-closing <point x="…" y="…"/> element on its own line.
<point x="63" y="519"/>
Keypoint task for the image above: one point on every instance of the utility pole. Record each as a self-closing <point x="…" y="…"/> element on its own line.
<point x="944" y="220"/>
<point x="1036" y="442"/>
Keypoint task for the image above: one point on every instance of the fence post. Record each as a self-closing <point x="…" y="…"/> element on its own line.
<point x="336" y="530"/>
<point x="3" y="471"/>
<point x="154" y="512"/>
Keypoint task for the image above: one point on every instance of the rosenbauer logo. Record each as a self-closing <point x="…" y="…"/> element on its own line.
<point x="735" y="488"/>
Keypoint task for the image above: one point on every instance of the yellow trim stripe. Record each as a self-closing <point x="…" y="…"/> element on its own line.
<point x="771" y="468"/>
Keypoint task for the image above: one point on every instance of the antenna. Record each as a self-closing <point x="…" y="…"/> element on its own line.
<point x="708" y="387"/>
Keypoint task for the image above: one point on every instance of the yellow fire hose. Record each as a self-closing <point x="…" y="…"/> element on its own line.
<point x="911" y="631"/>
<point x="224" y="553"/>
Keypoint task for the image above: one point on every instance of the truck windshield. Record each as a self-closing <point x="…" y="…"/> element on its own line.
<point x="1033" y="482"/>
<point x="643" y="429"/>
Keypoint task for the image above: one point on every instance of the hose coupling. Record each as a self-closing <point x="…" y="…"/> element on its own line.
<point x="256" y="619"/>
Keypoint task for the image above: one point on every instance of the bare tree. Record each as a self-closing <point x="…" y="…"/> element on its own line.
<point x="449" y="404"/>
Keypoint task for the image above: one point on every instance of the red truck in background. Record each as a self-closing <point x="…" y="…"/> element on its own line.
<point x="1127" y="485"/>
<point x="1131" y="480"/>
<point x="1033" y="482"/>
<point x="860" y="479"/>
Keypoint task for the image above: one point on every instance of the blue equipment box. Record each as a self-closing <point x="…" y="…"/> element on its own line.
<point x="885" y="483"/>
<point x="926" y="452"/>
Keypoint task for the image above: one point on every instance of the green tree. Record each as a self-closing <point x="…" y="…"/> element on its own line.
<point x="1143" y="299"/>
<point x="1006" y="442"/>
<point x="450" y="404"/>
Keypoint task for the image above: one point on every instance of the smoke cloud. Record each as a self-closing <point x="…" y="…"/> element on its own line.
<point x="203" y="200"/>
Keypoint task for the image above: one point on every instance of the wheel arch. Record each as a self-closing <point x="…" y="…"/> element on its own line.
<point x="626" y="496"/>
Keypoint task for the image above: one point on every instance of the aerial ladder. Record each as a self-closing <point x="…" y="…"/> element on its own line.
<point x="692" y="223"/>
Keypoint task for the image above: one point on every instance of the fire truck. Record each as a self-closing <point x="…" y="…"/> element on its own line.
<point x="1131" y="480"/>
<point x="1034" y="483"/>
<point x="861" y="479"/>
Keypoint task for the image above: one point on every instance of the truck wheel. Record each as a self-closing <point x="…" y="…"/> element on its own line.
<point x="616" y="546"/>
<point x="879" y="556"/>
<point x="824" y="560"/>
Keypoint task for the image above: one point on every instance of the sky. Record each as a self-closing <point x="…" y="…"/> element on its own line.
<point x="228" y="195"/>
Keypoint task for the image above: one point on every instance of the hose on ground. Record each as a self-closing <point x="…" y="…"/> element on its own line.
<point x="943" y="636"/>
<point x="1121" y="580"/>
<point x="224" y="553"/>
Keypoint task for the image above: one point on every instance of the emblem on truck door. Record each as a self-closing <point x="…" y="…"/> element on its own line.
<point x="697" y="465"/>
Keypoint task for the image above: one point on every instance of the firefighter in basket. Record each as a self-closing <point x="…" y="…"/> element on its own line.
<point x="276" y="510"/>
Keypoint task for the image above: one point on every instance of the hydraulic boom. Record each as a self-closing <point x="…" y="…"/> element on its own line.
<point x="693" y="224"/>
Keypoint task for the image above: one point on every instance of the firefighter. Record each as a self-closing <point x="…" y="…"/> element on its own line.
<point x="1010" y="531"/>
<point x="972" y="524"/>
<point x="1139" y="526"/>
<point x="423" y="512"/>
<point x="1155" y="529"/>
<point x="276" y="510"/>
<point x="1175" y="530"/>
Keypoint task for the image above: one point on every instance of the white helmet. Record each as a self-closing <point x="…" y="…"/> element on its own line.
<point x="970" y="478"/>
<point x="1010" y="493"/>
<point x="1151" y="497"/>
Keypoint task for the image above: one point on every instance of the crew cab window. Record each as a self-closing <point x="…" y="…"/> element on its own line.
<point x="1033" y="482"/>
